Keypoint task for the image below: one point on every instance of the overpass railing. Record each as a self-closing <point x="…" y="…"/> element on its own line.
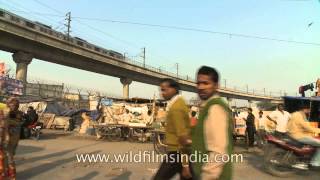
<point x="235" y="89"/>
<point x="158" y="70"/>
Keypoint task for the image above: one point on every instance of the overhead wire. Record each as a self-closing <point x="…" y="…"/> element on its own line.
<point x="94" y="28"/>
<point x="84" y="24"/>
<point x="163" y="26"/>
<point x="54" y="15"/>
<point x="37" y="16"/>
<point x="228" y="34"/>
<point x="201" y="30"/>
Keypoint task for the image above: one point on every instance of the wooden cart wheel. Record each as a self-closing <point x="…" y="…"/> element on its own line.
<point x="141" y="136"/>
<point x="131" y="137"/>
<point x="114" y="134"/>
<point x="158" y="145"/>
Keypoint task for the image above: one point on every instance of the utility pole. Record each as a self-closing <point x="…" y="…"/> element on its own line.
<point x="177" y="64"/>
<point x="68" y="24"/>
<point x="124" y="55"/>
<point x="144" y="56"/>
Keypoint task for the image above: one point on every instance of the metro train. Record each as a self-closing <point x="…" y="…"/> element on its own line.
<point x="45" y="29"/>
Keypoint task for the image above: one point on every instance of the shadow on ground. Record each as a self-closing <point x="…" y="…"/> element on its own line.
<point x="88" y="176"/>
<point x="124" y="176"/>
<point x="45" y="135"/>
<point x="44" y="167"/>
<point x="28" y="149"/>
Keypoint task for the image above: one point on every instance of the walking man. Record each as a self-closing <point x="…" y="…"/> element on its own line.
<point x="213" y="133"/>
<point x="177" y="134"/>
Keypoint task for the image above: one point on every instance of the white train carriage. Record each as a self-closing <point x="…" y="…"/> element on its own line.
<point x="47" y="30"/>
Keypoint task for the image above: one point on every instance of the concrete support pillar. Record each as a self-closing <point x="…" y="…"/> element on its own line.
<point x="22" y="60"/>
<point x="125" y="82"/>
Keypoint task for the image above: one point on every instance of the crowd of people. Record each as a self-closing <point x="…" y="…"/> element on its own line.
<point x="257" y="127"/>
<point x="209" y="131"/>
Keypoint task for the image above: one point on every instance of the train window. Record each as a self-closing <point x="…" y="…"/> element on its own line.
<point x="80" y="43"/>
<point x="111" y="54"/>
<point x="29" y="24"/>
<point x="2" y="13"/>
<point x="60" y="35"/>
<point x="120" y="57"/>
<point x="43" y="25"/>
<point x="55" y="34"/>
<point x="13" y="18"/>
<point x="104" y="51"/>
<point x="43" y="29"/>
<point x="88" y="46"/>
<point x="50" y="32"/>
<point x="97" y="49"/>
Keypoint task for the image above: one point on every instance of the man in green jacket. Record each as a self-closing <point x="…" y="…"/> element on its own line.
<point x="212" y="135"/>
<point x="177" y="134"/>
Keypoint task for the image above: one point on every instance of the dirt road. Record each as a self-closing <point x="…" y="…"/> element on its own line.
<point x="54" y="157"/>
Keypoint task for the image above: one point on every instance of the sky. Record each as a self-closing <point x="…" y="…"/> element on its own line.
<point x="273" y="65"/>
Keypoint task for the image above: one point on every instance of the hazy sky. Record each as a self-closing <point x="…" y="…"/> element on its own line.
<point x="259" y="63"/>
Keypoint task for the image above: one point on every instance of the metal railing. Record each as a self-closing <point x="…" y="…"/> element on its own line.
<point x="244" y="90"/>
<point x="158" y="70"/>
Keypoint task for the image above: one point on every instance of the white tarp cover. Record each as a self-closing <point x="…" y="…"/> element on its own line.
<point x="40" y="107"/>
<point x="44" y="107"/>
<point x="116" y="114"/>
